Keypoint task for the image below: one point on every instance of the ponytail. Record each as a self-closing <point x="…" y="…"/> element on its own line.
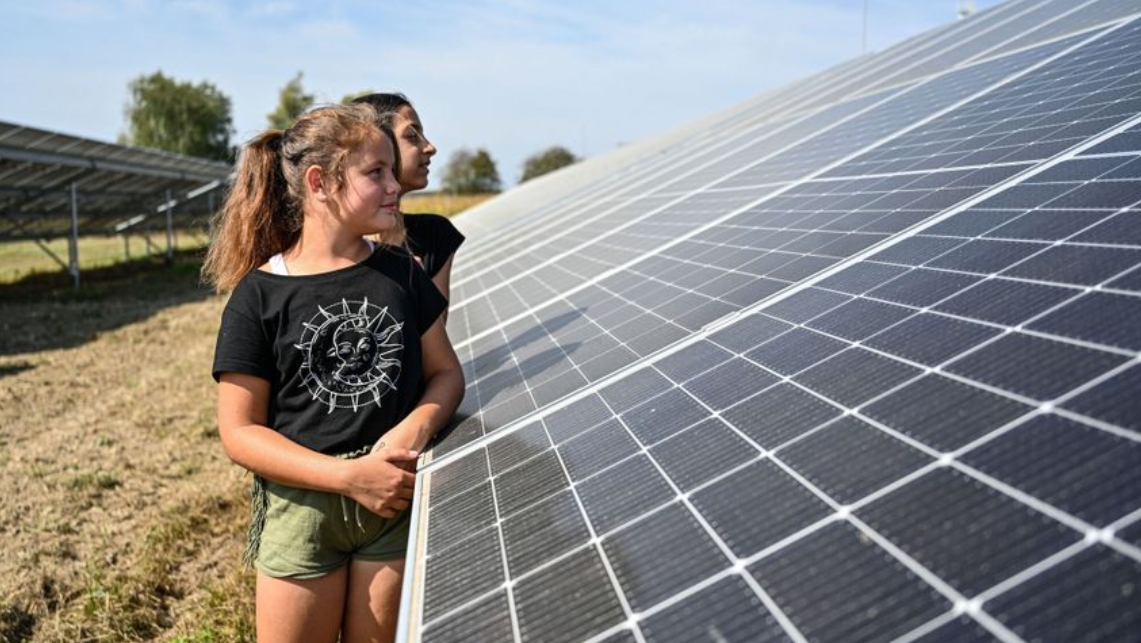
<point x="258" y="219"/>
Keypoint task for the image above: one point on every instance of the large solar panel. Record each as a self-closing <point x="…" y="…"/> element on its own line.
<point x="46" y="177"/>
<point x="861" y="365"/>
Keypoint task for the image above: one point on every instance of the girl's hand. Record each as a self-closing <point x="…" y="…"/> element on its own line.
<point x="381" y="482"/>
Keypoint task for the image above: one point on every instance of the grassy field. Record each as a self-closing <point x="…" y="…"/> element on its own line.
<point x="21" y="258"/>
<point x="441" y="203"/>
<point x="122" y="518"/>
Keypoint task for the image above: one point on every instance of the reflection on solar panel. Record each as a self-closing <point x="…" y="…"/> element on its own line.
<point x="861" y="363"/>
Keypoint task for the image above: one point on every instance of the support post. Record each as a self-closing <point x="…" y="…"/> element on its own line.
<point x="169" y="228"/>
<point x="73" y="240"/>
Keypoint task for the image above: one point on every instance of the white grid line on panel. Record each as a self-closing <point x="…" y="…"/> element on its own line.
<point x="982" y="616"/>
<point x="509" y="585"/>
<point x="868" y="253"/>
<point x="595" y="543"/>
<point x="1043" y="565"/>
<point x="930" y="626"/>
<point x="901" y="74"/>
<point x="930" y="222"/>
<point x="1001" y="49"/>
<point x="609" y="189"/>
<point x="1008" y="79"/>
<point x="843" y="511"/>
<point x="659" y="189"/>
<point x="711" y="532"/>
<point x="1093" y="534"/>
<point x="742" y="141"/>
<point x="679" y="159"/>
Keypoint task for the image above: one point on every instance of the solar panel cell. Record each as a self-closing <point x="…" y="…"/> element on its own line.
<point x="570" y="600"/>
<point x="457" y="518"/>
<point x="835" y="584"/>
<point x="462" y="573"/>
<point x="1005" y="301"/>
<point x="781" y="413"/>
<point x="930" y="339"/>
<point x="1102" y="318"/>
<point x="597" y="449"/>
<point x="636" y="551"/>
<point x="727" y="611"/>
<point x="488" y="620"/>
<point x="757" y="506"/>
<point x="922" y="287"/>
<point x="701" y="453"/>
<point x="1113" y="400"/>
<point x="542" y="532"/>
<point x="1091" y="474"/>
<point x="662" y="416"/>
<point x="973" y="537"/>
<point x="855" y="376"/>
<point x="621" y="494"/>
<point x="944" y="413"/>
<point x="1038" y="368"/>
<point x="1091" y="598"/>
<point x="849" y="459"/>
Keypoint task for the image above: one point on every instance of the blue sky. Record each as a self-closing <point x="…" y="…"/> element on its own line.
<point x="512" y="76"/>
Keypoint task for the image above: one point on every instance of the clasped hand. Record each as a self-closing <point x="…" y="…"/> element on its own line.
<point x="383" y="481"/>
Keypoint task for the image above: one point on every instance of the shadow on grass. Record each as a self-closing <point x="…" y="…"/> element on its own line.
<point x="44" y="311"/>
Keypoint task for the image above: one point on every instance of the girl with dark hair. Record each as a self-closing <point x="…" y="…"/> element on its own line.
<point x="432" y="238"/>
<point x="324" y="345"/>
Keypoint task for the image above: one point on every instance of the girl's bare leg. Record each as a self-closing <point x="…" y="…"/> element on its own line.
<point x="300" y="611"/>
<point x="372" y="605"/>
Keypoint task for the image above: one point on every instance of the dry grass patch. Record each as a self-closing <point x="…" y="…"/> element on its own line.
<point x="440" y="202"/>
<point x="122" y="519"/>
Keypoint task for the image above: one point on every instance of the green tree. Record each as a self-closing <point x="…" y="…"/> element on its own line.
<point x="548" y="160"/>
<point x="291" y="103"/>
<point x="470" y="172"/>
<point x="181" y="117"/>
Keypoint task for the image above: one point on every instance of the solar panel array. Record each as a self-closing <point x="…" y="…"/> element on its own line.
<point x="44" y="174"/>
<point x="858" y="361"/>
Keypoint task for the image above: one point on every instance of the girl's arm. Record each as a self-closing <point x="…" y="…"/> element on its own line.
<point x="377" y="481"/>
<point x="444" y="388"/>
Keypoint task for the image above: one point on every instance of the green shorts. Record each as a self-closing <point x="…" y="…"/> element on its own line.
<point x="308" y="533"/>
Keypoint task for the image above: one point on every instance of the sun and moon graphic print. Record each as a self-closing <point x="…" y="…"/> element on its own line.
<point x="351" y="354"/>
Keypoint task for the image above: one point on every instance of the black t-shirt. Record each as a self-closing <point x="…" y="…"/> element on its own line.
<point x="433" y="238"/>
<point x="341" y="350"/>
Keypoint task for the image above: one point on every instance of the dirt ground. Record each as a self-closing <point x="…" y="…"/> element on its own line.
<point x="121" y="518"/>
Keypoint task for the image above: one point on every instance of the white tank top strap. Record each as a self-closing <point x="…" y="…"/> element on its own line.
<point x="277" y="265"/>
<point x="277" y="262"/>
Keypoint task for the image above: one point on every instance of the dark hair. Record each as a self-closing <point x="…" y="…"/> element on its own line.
<point x="262" y="214"/>
<point x="385" y="104"/>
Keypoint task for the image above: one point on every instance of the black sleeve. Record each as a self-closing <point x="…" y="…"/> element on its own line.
<point x="433" y="238"/>
<point x="242" y="345"/>
<point x="429" y="302"/>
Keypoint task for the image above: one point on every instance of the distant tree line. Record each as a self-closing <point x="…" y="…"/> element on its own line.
<point x="195" y="119"/>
